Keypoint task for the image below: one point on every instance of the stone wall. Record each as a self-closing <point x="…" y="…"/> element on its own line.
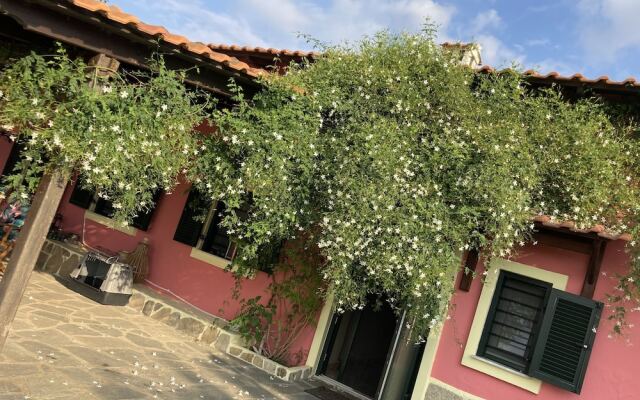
<point x="61" y="258"/>
<point x="290" y="374"/>
<point x="441" y="391"/>
<point x="199" y="326"/>
<point x="208" y="330"/>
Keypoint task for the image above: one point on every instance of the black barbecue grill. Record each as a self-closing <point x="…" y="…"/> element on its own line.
<point x="102" y="278"/>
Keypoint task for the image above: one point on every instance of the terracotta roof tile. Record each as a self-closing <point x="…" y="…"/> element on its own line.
<point x="115" y="14"/>
<point x="261" y="50"/>
<point x="554" y="76"/>
<point x="461" y="45"/>
<point x="153" y="30"/>
<point x="295" y="53"/>
<point x="601" y="230"/>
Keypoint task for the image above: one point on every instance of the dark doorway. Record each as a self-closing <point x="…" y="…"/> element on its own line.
<point x="359" y="345"/>
<point x="371" y="353"/>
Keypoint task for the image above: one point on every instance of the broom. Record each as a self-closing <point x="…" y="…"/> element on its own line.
<point x="138" y="259"/>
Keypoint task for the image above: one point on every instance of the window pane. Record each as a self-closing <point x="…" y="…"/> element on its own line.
<point x="105" y="208"/>
<point x="516" y="335"/>
<point x="217" y="241"/>
<point x="190" y="226"/>
<point x="515" y="313"/>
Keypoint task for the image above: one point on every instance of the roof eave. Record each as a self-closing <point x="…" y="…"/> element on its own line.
<point x="93" y="32"/>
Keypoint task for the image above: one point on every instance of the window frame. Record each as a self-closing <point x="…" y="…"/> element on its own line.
<point x="205" y="228"/>
<point x="198" y="251"/>
<point x="547" y="333"/>
<point x="489" y="322"/>
<point x="470" y="358"/>
<point x="232" y="247"/>
<point x="92" y="212"/>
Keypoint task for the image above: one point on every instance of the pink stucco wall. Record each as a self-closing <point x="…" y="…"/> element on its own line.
<point x="201" y="284"/>
<point x="171" y="267"/>
<point x="612" y="373"/>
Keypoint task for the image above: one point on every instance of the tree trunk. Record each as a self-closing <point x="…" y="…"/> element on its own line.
<point x="28" y="246"/>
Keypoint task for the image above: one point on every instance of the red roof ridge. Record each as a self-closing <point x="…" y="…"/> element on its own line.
<point x="262" y="50"/>
<point x="463" y="45"/>
<point x="116" y="14"/>
<point x="556" y="76"/>
<point x="598" y="229"/>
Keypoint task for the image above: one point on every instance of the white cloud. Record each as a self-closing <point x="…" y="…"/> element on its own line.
<point x="607" y="27"/>
<point x="193" y="19"/>
<point x="496" y="53"/>
<point x="485" y="21"/>
<point x="278" y="21"/>
<point x="537" y="42"/>
<point x="341" y="20"/>
<point x="274" y="23"/>
<point x="549" y="65"/>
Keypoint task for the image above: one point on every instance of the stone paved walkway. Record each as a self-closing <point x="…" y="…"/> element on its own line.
<point x="64" y="346"/>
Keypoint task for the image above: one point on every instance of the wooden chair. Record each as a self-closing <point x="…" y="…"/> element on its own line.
<point x="6" y="245"/>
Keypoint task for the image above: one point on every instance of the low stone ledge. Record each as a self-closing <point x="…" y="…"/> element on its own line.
<point x="289" y="374"/>
<point x="59" y="258"/>
<point x="199" y="326"/>
<point x="209" y="330"/>
<point x="440" y="391"/>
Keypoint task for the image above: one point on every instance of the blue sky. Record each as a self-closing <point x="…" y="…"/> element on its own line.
<point x="592" y="37"/>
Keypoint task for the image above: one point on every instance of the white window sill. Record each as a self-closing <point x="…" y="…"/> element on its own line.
<point x="209" y="258"/>
<point x="109" y="223"/>
<point x="501" y="372"/>
<point x="498" y="365"/>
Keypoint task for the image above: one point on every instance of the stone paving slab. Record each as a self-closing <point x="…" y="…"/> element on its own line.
<point x="64" y="346"/>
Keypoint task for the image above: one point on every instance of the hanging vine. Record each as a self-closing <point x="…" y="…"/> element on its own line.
<point x="128" y="134"/>
<point x="398" y="159"/>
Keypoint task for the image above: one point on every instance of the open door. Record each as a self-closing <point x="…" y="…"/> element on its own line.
<point x="370" y="352"/>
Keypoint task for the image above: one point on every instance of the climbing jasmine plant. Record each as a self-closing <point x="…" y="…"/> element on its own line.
<point x="394" y="159"/>
<point x="128" y="134"/>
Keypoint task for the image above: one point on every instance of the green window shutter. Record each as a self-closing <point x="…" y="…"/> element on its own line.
<point x="513" y="321"/>
<point x="81" y="197"/>
<point x="192" y="219"/>
<point x="564" y="343"/>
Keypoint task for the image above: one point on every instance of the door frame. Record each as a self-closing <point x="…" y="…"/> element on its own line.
<point x="390" y="354"/>
<point x="322" y="334"/>
<point x="327" y="349"/>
